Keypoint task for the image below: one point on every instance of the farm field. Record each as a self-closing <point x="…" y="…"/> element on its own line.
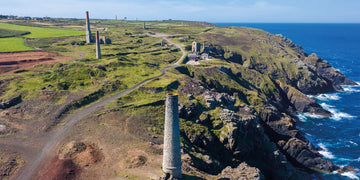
<point x="11" y="33"/>
<point x="40" y="32"/>
<point x="13" y="44"/>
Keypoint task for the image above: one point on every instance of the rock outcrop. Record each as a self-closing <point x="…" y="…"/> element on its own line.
<point x="273" y="95"/>
<point x="303" y="103"/>
<point x="10" y="102"/>
<point x="305" y="154"/>
<point x="242" y="172"/>
<point x="227" y="132"/>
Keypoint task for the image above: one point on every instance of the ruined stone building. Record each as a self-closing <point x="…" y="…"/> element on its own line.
<point x="104" y="40"/>
<point x="206" y="49"/>
<point x="195" y="47"/>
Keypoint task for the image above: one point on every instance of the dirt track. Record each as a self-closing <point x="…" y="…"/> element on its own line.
<point x="45" y="153"/>
<point x="11" y="62"/>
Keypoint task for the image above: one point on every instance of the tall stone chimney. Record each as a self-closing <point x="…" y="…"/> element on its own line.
<point x="172" y="154"/>
<point x="98" y="52"/>
<point x="88" y="31"/>
<point x="144" y="25"/>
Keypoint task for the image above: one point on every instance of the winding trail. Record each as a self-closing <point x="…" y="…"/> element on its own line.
<point x="31" y="168"/>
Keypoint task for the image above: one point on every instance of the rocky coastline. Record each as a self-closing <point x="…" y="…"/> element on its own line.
<point x="262" y="131"/>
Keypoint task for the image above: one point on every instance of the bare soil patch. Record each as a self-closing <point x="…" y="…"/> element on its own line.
<point x="61" y="169"/>
<point x="120" y="147"/>
<point x="71" y="161"/>
<point x="15" y="61"/>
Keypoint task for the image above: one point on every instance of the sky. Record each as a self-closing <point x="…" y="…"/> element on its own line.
<point x="261" y="11"/>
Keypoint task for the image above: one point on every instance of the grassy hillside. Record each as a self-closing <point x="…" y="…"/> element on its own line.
<point x="13" y="44"/>
<point x="40" y="32"/>
<point x="18" y="44"/>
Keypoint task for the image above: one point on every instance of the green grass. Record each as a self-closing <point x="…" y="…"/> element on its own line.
<point x="39" y="32"/>
<point x="17" y="43"/>
<point x="13" y="44"/>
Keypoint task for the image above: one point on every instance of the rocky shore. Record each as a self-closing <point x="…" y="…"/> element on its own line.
<point x="246" y="111"/>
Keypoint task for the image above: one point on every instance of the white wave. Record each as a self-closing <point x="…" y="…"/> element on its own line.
<point x="326" y="106"/>
<point x="350" y="89"/>
<point x="346" y="160"/>
<point x="336" y="114"/>
<point x="302" y="117"/>
<point x="325" y="152"/>
<point x="327" y="97"/>
<point x="340" y="115"/>
<point x="314" y="116"/>
<point x="350" y="175"/>
<point x="353" y="143"/>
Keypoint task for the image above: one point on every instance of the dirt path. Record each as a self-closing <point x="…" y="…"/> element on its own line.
<point x="164" y="36"/>
<point x="32" y="167"/>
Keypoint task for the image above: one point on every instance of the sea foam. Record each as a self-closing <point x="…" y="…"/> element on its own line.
<point x="314" y="116"/>
<point x="326" y="97"/>
<point x="350" y="175"/>
<point x="325" y="152"/>
<point x="353" y="143"/>
<point x="352" y="89"/>
<point x="302" y="117"/>
<point x="336" y="114"/>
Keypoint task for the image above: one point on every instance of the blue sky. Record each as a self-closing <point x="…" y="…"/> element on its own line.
<point x="281" y="11"/>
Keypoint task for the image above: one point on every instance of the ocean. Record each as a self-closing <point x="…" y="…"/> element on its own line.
<point x="339" y="44"/>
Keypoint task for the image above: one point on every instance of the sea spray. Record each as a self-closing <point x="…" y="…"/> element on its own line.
<point x="325" y="152"/>
<point x="336" y="115"/>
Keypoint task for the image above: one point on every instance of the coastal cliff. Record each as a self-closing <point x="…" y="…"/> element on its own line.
<point x="250" y="102"/>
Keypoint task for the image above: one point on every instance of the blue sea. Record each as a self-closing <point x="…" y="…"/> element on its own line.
<point x="339" y="44"/>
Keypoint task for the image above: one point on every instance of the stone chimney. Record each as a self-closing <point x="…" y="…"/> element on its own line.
<point x="98" y="52"/>
<point x="88" y="31"/>
<point x="172" y="154"/>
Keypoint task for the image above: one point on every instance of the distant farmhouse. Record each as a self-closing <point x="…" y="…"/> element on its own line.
<point x="27" y="18"/>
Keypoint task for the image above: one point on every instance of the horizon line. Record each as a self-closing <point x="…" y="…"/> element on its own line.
<point x="212" y="22"/>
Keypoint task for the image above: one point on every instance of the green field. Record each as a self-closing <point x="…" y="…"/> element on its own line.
<point x="17" y="44"/>
<point x="11" y="33"/>
<point x="13" y="44"/>
<point x="39" y="32"/>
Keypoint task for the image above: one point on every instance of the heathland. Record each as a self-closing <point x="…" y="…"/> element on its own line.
<point x="236" y="109"/>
